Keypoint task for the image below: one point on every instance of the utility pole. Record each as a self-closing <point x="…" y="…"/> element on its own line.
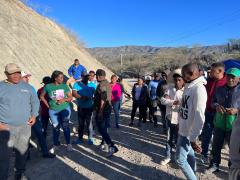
<point x="139" y="65"/>
<point x="121" y="57"/>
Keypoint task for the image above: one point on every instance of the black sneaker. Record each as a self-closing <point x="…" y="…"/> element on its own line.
<point x="49" y="155"/>
<point x="131" y="124"/>
<point x="112" y="150"/>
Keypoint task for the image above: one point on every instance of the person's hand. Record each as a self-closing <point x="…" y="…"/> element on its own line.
<point x="31" y="121"/>
<point x="220" y="109"/>
<point x="60" y="101"/>
<point x="3" y="127"/>
<point x="196" y="147"/>
<point x="232" y="111"/>
<point x="176" y="102"/>
<point x="166" y="96"/>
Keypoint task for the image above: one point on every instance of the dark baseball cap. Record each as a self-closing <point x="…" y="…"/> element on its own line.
<point x="100" y="72"/>
<point x="85" y="74"/>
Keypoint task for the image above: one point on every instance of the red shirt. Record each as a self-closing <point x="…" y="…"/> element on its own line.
<point x="43" y="108"/>
<point x="211" y="86"/>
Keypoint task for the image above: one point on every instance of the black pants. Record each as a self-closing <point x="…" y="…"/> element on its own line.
<point x="38" y="133"/>
<point x="163" y="115"/>
<point x="142" y="111"/>
<point x="154" y="107"/>
<point x="18" y="139"/>
<point x="172" y="135"/>
<point x="84" y="115"/>
<point x="219" y="137"/>
<point x="44" y="120"/>
<point x="150" y="111"/>
<point x="102" y="124"/>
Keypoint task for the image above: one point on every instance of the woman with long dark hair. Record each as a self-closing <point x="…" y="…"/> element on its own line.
<point x="59" y="108"/>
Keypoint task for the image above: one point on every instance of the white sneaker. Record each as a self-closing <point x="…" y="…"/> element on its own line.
<point x="53" y="149"/>
<point x="69" y="148"/>
<point x="103" y="147"/>
<point x="165" y="161"/>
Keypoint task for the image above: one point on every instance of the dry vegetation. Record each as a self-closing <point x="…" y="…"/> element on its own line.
<point x="144" y="59"/>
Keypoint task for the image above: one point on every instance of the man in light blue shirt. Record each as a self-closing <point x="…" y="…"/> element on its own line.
<point x="19" y="106"/>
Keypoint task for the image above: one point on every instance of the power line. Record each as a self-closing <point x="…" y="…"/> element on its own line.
<point x="216" y="23"/>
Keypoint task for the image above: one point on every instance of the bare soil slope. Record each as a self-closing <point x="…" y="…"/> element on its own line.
<point x="36" y="43"/>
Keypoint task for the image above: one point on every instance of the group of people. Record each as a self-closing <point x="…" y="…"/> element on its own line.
<point x="193" y="107"/>
<point x="146" y="95"/>
<point x="26" y="112"/>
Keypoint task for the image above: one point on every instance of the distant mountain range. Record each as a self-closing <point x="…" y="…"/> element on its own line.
<point x="146" y="59"/>
<point x="145" y="50"/>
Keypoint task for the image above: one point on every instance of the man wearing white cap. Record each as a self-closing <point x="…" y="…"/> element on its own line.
<point x="172" y="98"/>
<point x="19" y="107"/>
<point x="37" y="127"/>
<point x="25" y="76"/>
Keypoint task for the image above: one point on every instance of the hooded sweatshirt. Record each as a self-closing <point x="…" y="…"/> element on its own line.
<point x="193" y="109"/>
<point x="171" y="95"/>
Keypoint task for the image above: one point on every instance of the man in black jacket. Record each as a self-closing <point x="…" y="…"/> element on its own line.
<point x="140" y="98"/>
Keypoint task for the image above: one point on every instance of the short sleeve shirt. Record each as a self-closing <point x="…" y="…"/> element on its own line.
<point x="104" y="93"/>
<point x="57" y="92"/>
<point x="85" y="90"/>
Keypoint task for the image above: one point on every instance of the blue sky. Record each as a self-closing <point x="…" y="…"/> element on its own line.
<point x="108" y="23"/>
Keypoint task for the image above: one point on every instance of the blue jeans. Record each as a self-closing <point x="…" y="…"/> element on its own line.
<point x="207" y="132"/>
<point x="61" y="118"/>
<point x="102" y="127"/>
<point x="185" y="157"/>
<point x="116" y="110"/>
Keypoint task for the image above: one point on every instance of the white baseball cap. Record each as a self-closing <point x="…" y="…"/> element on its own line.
<point x="24" y="74"/>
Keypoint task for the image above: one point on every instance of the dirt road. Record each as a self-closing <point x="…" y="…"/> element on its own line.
<point x="140" y="151"/>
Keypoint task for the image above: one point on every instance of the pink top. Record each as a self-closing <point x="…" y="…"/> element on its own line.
<point x="116" y="92"/>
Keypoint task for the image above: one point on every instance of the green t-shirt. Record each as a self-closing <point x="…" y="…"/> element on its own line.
<point x="57" y="92"/>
